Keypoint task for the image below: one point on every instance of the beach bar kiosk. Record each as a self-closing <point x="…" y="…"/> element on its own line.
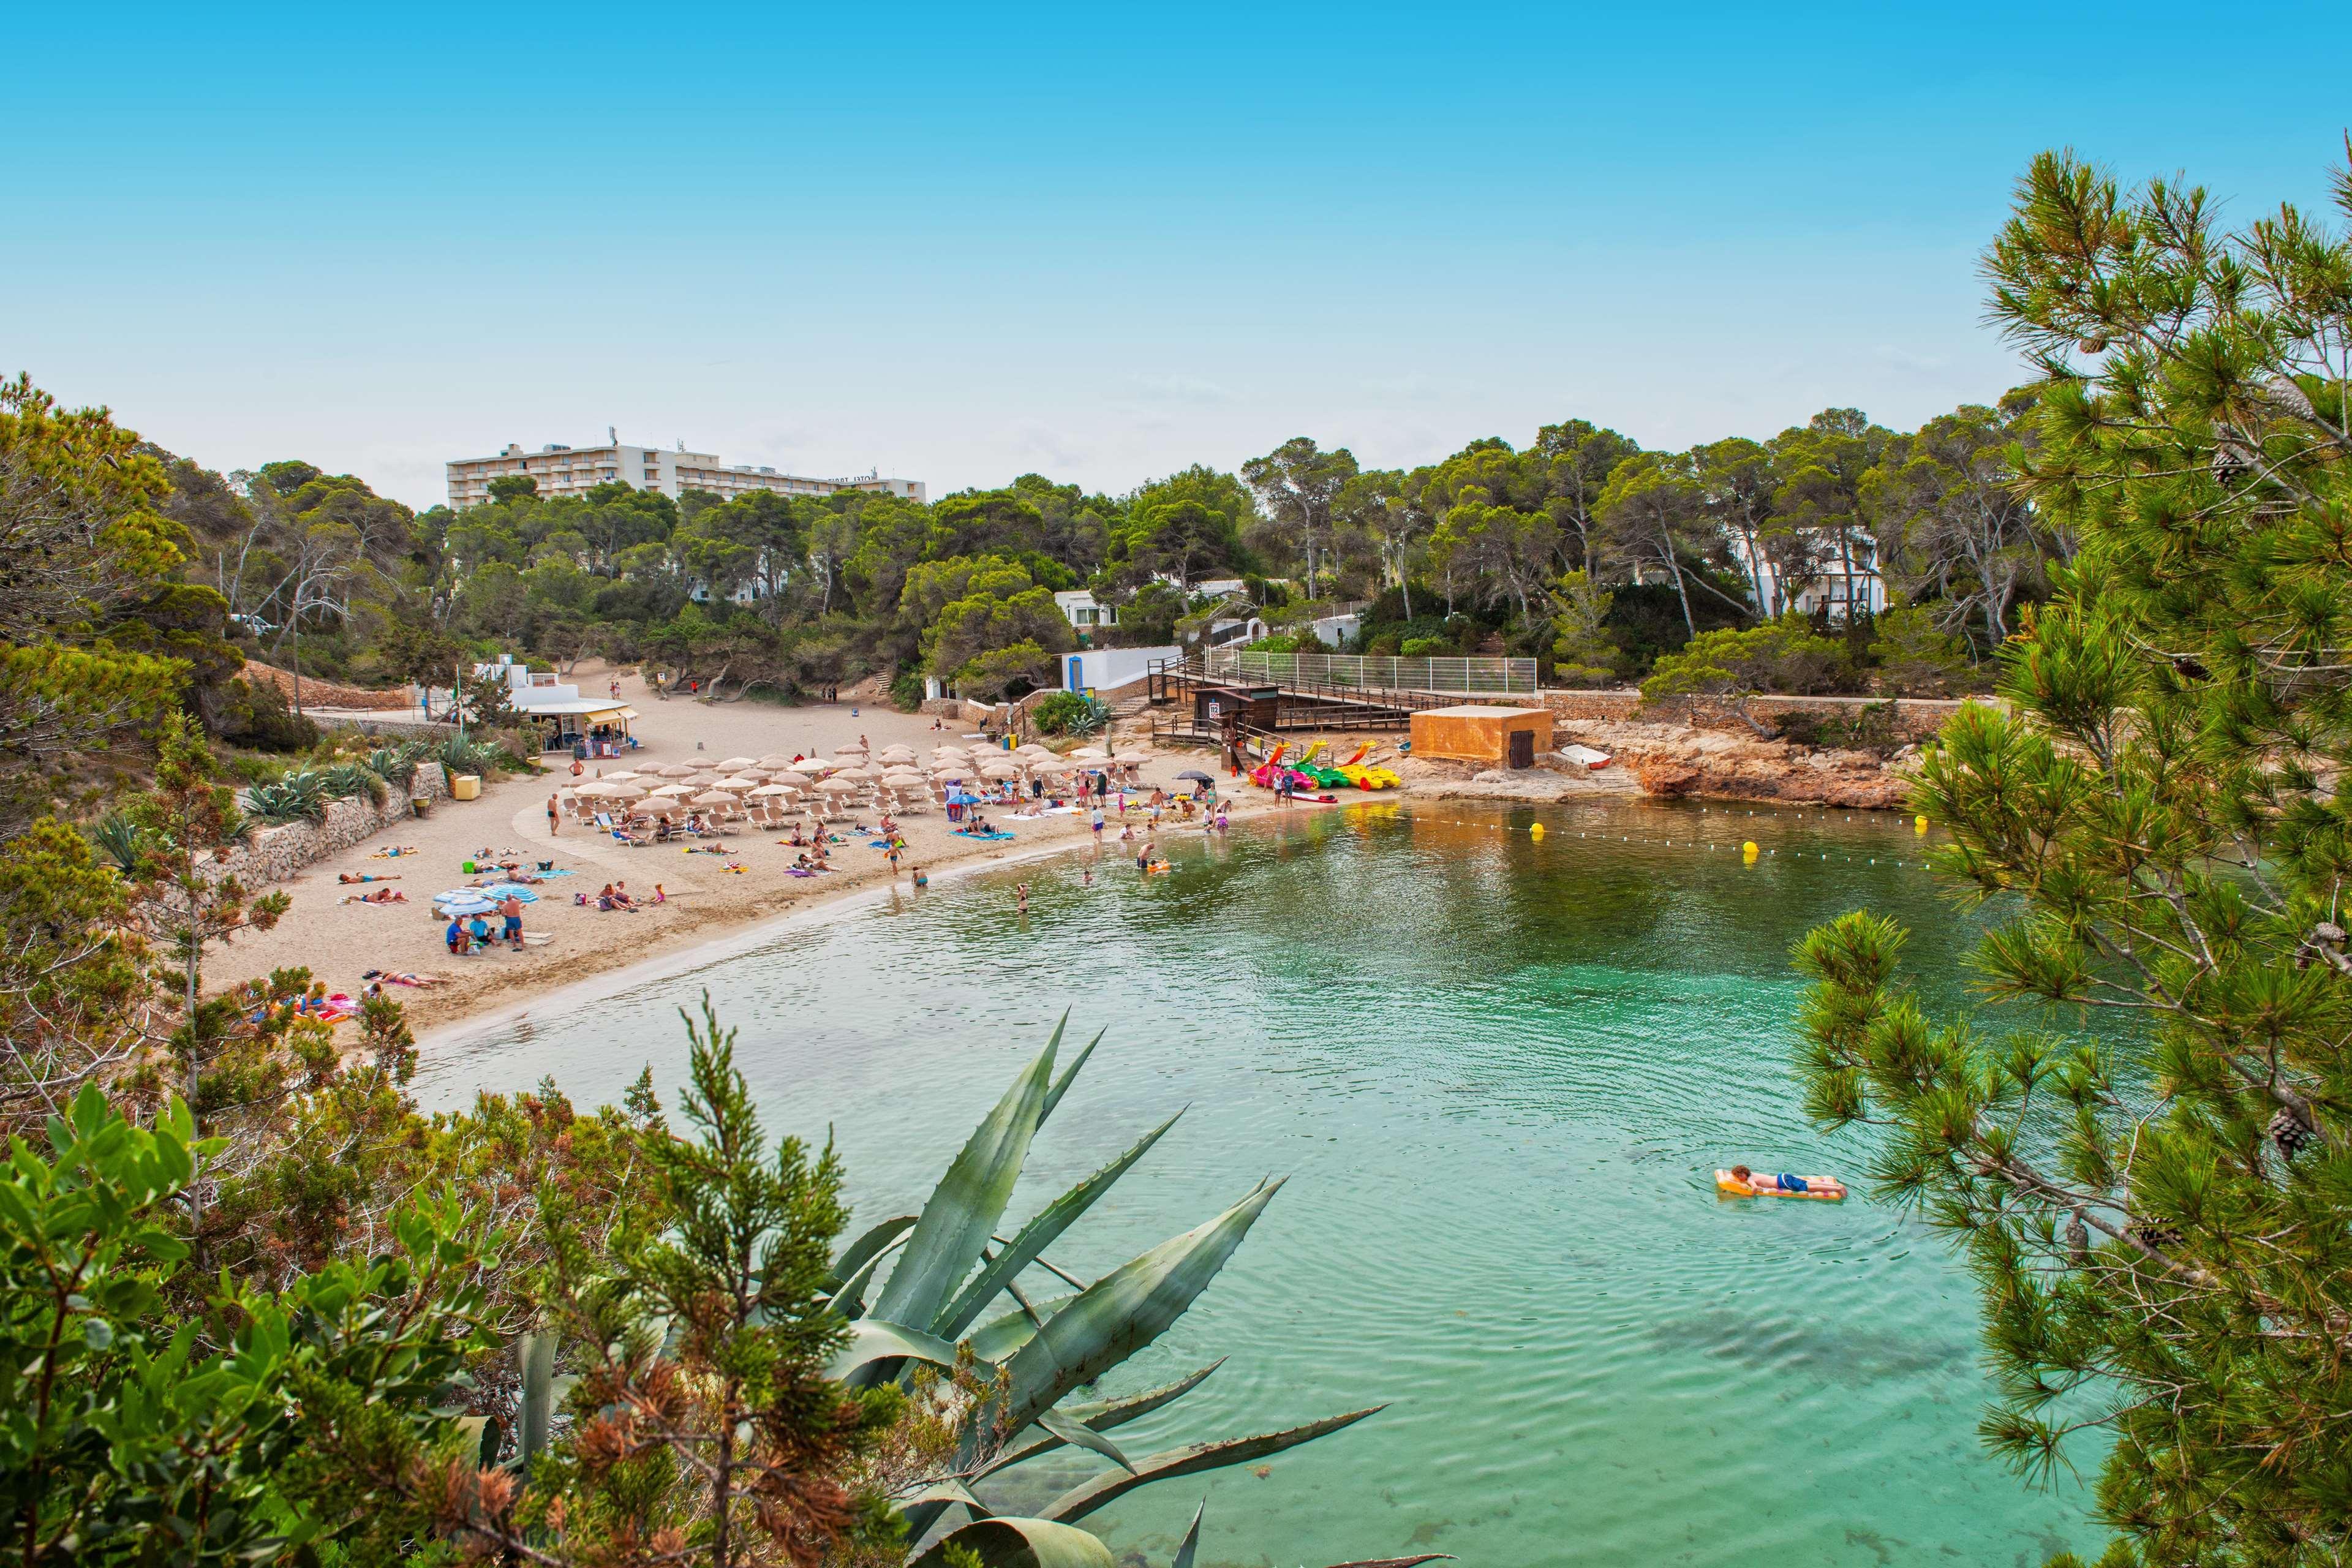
<point x="1477" y="732"/>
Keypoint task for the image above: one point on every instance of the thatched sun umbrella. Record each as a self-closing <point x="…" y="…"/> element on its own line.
<point x="732" y="764"/>
<point x="674" y="791"/>
<point x="714" y="798"/>
<point x="1000" y="771"/>
<point x="812" y="765"/>
<point x="838" y="786"/>
<point x="776" y="760"/>
<point x="672" y="770"/>
<point x="773" y="792"/>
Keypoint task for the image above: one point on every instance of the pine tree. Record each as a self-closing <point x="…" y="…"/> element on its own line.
<point x="2152" y="1182"/>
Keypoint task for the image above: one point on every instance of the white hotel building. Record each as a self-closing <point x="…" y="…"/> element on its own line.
<point x="576" y="470"/>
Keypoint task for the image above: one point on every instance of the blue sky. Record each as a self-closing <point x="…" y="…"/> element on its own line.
<point x="1098" y="242"/>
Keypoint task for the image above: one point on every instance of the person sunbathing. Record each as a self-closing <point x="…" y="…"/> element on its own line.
<point x="404" y="978"/>
<point x="381" y="896"/>
<point x="621" y="896"/>
<point x="353" y="878"/>
<point x="1765" y="1182"/>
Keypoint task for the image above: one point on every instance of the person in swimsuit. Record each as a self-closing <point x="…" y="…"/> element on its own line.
<point x="1765" y="1182"/>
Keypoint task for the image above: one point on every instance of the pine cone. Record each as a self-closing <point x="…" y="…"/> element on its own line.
<point x="2232" y="463"/>
<point x="2282" y="392"/>
<point x="2078" y="1241"/>
<point x="2290" y="1131"/>
<point x="2158" y="1234"/>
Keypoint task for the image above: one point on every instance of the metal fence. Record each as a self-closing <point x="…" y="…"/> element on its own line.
<point x="1469" y="677"/>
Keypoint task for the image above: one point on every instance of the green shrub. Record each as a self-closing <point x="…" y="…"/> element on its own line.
<point x="906" y="688"/>
<point x="1069" y="713"/>
<point x="350" y="781"/>
<point x="299" y="797"/>
<point x="1425" y="647"/>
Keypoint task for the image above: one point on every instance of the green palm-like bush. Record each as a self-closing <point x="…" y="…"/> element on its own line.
<point x="460" y="755"/>
<point x="300" y="797"/>
<point x="120" y="840"/>
<point x="1069" y="713"/>
<point x="350" y="781"/>
<point x="397" y="764"/>
<point x="953" y="1291"/>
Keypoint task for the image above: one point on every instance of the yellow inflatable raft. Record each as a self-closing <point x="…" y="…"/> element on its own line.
<point x="1825" y="1189"/>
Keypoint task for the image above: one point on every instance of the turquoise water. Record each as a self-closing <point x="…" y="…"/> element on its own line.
<point x="1500" y="1075"/>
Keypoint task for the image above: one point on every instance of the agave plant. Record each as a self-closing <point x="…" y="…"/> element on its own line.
<point x="397" y="764"/>
<point x="953" y="1291"/>
<point x="350" y="781"/>
<point x="294" y="797"/>
<point x="120" y="840"/>
<point x="460" y="755"/>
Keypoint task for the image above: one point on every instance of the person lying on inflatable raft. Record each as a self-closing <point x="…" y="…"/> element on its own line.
<point x="1740" y="1182"/>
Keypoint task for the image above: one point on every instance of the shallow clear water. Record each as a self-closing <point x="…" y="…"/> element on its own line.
<point x="1500" y="1075"/>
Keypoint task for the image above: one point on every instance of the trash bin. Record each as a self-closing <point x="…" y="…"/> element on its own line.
<point x="466" y="787"/>
<point x="421" y="805"/>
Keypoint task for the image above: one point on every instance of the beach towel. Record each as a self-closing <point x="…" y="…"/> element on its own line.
<point x="968" y="833"/>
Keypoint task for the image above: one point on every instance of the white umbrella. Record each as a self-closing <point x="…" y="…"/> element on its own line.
<point x="622" y="776"/>
<point x="732" y="764"/>
<point x="838" y="786"/>
<point x="603" y="790"/>
<point x="1057" y="766"/>
<point x="658" y="806"/>
<point x="714" y="797"/>
<point x="1032" y="749"/>
<point x="1090" y="753"/>
<point x="902" y="777"/>
<point x="854" y="772"/>
<point x="769" y="792"/>
<point x="898" y="754"/>
<point x="670" y="770"/>
<point x="774" y="760"/>
<point x="1000" y="771"/>
<point x="740" y="781"/>
<point x="811" y="765"/>
<point x="675" y="789"/>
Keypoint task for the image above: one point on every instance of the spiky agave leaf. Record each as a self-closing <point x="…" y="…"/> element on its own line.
<point x="537" y="1354"/>
<point x="998" y="1338"/>
<point x="873" y="1340"/>
<point x="920" y="1510"/>
<point x="1103" y="1415"/>
<point x="1190" y="1460"/>
<point x="868" y="1247"/>
<point x="849" y="1295"/>
<point x="1020" y="1544"/>
<point x="1192" y="1538"/>
<point x="1062" y="1084"/>
<point x="962" y="1214"/>
<point x="1124" y="1311"/>
<point x="1038" y="1235"/>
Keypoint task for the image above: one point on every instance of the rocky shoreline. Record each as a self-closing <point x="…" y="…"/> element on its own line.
<point x="1674" y="760"/>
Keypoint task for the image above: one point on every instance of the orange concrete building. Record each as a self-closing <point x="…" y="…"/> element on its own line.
<point x="1475" y="732"/>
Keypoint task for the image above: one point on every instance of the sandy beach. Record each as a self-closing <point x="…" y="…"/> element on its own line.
<point x="338" y="940"/>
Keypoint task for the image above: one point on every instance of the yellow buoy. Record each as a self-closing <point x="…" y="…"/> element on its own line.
<point x="1919" y="824"/>
<point x="1747" y="851"/>
<point x="1536" y="832"/>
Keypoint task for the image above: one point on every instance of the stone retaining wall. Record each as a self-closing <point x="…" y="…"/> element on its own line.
<point x="273" y="854"/>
